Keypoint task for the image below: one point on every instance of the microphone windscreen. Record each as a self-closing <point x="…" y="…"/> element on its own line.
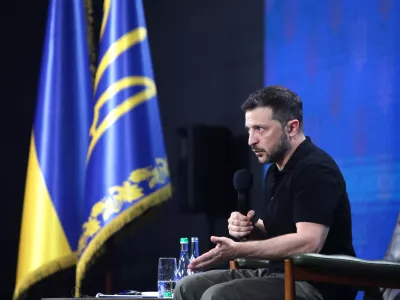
<point x="242" y="180"/>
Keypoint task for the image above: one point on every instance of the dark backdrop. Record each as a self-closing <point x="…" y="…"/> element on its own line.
<point x="207" y="57"/>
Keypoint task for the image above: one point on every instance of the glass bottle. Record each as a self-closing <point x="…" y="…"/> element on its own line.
<point x="183" y="259"/>
<point x="194" y="247"/>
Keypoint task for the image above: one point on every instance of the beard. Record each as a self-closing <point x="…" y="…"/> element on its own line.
<point x="278" y="152"/>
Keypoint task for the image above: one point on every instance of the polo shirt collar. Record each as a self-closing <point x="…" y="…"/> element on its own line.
<point x="300" y="152"/>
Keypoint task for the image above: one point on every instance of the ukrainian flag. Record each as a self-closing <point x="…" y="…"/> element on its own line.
<point x="54" y="190"/>
<point x="127" y="170"/>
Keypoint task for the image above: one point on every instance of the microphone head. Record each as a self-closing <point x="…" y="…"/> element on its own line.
<point x="242" y="180"/>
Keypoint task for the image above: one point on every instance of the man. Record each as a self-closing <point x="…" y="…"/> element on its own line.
<point x="305" y="210"/>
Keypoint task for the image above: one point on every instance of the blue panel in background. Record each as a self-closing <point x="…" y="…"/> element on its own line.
<point x="341" y="57"/>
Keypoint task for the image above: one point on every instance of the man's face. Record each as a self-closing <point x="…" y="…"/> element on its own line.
<point x="269" y="141"/>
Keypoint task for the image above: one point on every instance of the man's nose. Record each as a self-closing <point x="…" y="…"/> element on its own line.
<point x="252" y="139"/>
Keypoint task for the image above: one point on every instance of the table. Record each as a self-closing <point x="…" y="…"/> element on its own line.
<point x="94" y="298"/>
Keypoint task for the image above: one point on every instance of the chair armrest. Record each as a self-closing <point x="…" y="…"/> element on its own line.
<point x="348" y="266"/>
<point x="246" y="263"/>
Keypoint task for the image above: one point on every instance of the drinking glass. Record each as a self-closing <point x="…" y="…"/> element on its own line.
<point x="166" y="280"/>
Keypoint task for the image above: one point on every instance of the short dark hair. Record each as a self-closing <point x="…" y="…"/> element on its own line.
<point x="285" y="104"/>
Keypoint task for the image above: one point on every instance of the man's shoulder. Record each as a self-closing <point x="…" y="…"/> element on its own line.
<point x="317" y="160"/>
<point x="318" y="169"/>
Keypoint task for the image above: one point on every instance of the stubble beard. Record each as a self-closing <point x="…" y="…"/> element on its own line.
<point x="277" y="154"/>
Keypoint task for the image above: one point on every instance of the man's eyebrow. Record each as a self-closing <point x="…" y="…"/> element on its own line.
<point x="256" y="125"/>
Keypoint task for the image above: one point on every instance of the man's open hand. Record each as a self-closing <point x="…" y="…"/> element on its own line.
<point x="224" y="250"/>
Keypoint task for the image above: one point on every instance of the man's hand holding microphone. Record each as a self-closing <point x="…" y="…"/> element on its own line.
<point x="240" y="226"/>
<point x="244" y="227"/>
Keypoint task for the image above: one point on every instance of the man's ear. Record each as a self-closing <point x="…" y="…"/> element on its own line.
<point x="293" y="127"/>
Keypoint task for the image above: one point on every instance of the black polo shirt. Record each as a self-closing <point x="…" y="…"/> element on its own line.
<point x="310" y="188"/>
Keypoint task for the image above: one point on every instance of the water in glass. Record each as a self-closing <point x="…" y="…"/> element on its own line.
<point x="166" y="277"/>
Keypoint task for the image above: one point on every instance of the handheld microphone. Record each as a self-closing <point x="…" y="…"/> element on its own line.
<point x="242" y="182"/>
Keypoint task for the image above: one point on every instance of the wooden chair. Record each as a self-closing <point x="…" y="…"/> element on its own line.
<point x="367" y="275"/>
<point x="340" y="269"/>
<point x="372" y="276"/>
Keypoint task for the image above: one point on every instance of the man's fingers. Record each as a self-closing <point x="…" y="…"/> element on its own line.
<point x="220" y="240"/>
<point x="238" y="216"/>
<point x="203" y="260"/>
<point x="240" y="223"/>
<point x="205" y="264"/>
<point x="238" y="234"/>
<point x="250" y="214"/>
<point x="240" y="228"/>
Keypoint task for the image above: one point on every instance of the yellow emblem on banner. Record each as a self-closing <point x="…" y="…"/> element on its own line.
<point x="129" y="191"/>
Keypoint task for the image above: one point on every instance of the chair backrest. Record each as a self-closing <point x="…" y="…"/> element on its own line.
<point x="393" y="254"/>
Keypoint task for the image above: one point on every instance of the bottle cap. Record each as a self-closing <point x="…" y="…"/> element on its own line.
<point x="184" y="240"/>
<point x="195" y="239"/>
<point x="168" y="294"/>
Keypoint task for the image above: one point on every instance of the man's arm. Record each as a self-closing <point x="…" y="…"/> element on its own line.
<point x="316" y="193"/>
<point x="309" y="238"/>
